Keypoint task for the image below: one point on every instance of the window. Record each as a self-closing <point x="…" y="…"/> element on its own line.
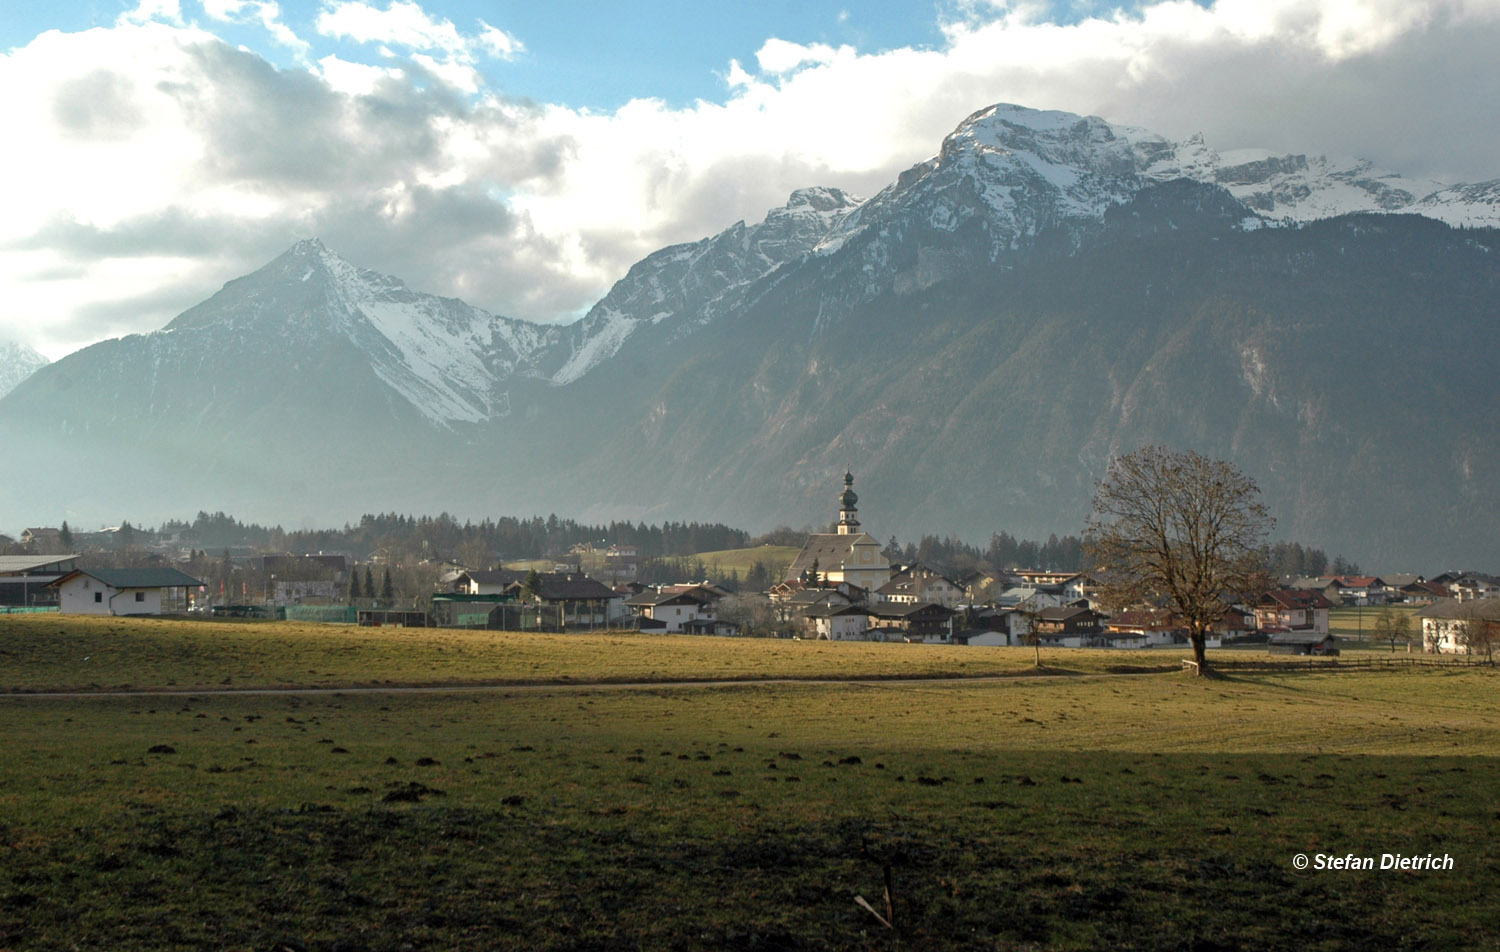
<point x="98" y="596"/>
<point x="140" y="596"/>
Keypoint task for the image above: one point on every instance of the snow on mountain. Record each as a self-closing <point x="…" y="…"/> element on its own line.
<point x="17" y="362"/>
<point x="1463" y="205"/>
<point x="688" y="285"/>
<point x="446" y="358"/>
<point x="1024" y="171"/>
<point x="1006" y="179"/>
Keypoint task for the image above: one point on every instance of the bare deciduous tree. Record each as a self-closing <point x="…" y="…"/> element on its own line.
<point x="1178" y="530"/>
<point x="1393" y="626"/>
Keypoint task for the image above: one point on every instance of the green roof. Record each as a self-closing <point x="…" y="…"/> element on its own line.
<point x="137" y="578"/>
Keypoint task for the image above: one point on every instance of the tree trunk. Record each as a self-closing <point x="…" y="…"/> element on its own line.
<point x="1200" y="644"/>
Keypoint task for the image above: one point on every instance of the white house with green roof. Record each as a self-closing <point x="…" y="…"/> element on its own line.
<point x="123" y="591"/>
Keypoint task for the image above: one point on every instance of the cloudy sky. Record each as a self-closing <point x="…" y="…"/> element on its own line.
<point x="522" y="155"/>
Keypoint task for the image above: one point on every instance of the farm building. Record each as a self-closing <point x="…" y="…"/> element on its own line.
<point x="24" y="578"/>
<point x="1308" y="642"/>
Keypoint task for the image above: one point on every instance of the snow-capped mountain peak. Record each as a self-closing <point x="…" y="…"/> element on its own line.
<point x="686" y="286"/>
<point x="440" y="354"/>
<point x="17" y="362"/>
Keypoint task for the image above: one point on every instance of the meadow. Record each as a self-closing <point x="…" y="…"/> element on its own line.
<point x="1144" y="811"/>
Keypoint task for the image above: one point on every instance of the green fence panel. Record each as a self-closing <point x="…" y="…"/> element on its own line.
<point x="328" y="614"/>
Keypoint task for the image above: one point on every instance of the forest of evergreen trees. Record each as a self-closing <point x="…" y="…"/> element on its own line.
<point x="443" y="535"/>
<point x="667" y="550"/>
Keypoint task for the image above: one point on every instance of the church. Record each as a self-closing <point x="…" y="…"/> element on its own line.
<point x="847" y="555"/>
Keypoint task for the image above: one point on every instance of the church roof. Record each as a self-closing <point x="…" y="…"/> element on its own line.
<point x="829" y="549"/>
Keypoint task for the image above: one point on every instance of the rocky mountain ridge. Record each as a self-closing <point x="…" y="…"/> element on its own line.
<point x="975" y="341"/>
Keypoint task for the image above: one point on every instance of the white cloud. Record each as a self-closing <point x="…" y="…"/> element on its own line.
<point x="265" y="12"/>
<point x="401" y="23"/>
<point x="147" y="10"/>
<point x="356" y="79"/>
<point x="435" y="44"/>
<point x="499" y="43"/>
<point x="779" y="56"/>
<point x="160" y="162"/>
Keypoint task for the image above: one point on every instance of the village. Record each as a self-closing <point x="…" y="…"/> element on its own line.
<point x="841" y="585"/>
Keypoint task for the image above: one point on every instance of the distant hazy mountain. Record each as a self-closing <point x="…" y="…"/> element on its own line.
<point x="17" y="362"/>
<point x="975" y="342"/>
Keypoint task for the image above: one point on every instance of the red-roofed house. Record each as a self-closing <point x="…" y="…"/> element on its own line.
<point x="1294" y="609"/>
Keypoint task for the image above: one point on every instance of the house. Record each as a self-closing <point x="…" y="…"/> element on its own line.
<point x="1361" y="590"/>
<point x="24" y="578"/>
<point x="1460" y="626"/>
<point x="923" y="620"/>
<point x="1305" y="642"/>
<point x="1474" y="585"/>
<point x="1068" y="626"/>
<point x="621" y="564"/>
<point x="837" y="622"/>
<point x="1144" y="627"/>
<point x="124" y="591"/>
<point x="848" y="555"/>
<point x="977" y="585"/>
<point x="567" y="600"/>
<point x="674" y="608"/>
<point x="918" y="583"/>
<point x="42" y="539"/>
<point x="1421" y="593"/>
<point x="485" y="581"/>
<point x="1029" y="598"/>
<point x="1040" y="577"/>
<point x="1080" y="587"/>
<point x="1294" y="609"/>
<point x="303" y="578"/>
<point x="1395" y="582"/>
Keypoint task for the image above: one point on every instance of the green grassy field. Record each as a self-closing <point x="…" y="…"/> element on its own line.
<point x="1358" y="624"/>
<point x="775" y="557"/>
<point x="1132" y="812"/>
<point x="49" y="652"/>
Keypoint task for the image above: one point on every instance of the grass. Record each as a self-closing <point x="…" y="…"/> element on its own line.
<point x="52" y="652"/>
<point x="775" y="557"/>
<point x="1358" y="624"/>
<point x="1152" y="812"/>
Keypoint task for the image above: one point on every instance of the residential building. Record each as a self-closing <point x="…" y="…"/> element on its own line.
<point x="568" y="600"/>
<point x="918" y="583"/>
<point x="674" y="608"/>
<point x="1293" y="609"/>
<point x="1460" y="626"/>
<point x="124" y="591"/>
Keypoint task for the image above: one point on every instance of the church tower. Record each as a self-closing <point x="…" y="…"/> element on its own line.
<point x="848" y="524"/>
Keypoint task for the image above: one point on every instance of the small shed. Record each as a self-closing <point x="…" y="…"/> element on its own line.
<point x="1302" y="643"/>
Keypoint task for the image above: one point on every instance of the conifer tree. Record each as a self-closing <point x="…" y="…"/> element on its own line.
<point x="387" y="590"/>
